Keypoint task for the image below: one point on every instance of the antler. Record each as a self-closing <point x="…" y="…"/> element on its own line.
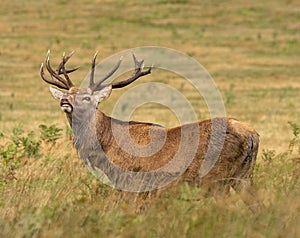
<point x="56" y="79"/>
<point x="98" y="86"/>
<point x="137" y="74"/>
<point x="66" y="83"/>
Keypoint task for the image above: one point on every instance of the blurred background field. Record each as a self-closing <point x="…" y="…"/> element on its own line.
<point x="252" y="51"/>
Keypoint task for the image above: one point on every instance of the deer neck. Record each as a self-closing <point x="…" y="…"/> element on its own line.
<point x="84" y="130"/>
<point x="86" y="142"/>
<point x="91" y="131"/>
<point x="90" y="137"/>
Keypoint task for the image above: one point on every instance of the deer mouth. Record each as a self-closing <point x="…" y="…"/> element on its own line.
<point x="66" y="106"/>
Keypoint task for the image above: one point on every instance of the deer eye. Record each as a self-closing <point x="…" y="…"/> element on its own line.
<point x="87" y="99"/>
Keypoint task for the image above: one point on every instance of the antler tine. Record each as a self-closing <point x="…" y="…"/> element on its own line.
<point x="64" y="61"/>
<point x="98" y="86"/>
<point x="72" y="70"/>
<point x="63" y="69"/>
<point x="63" y="83"/>
<point x="138" y="64"/>
<point x="138" y="73"/>
<point x="92" y="83"/>
<point x="52" y="71"/>
<point x="51" y="81"/>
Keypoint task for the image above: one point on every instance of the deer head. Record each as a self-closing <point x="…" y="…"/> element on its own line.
<point x="82" y="100"/>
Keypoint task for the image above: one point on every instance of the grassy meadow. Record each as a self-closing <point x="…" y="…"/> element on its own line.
<point x="252" y="51"/>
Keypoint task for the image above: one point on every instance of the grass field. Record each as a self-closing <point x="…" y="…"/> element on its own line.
<point x="251" y="49"/>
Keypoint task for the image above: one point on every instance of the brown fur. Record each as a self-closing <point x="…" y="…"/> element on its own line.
<point x="234" y="166"/>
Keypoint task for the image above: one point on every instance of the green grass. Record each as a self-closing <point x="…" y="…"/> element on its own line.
<point x="251" y="49"/>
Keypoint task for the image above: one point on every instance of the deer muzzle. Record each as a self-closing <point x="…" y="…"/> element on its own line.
<point x="65" y="105"/>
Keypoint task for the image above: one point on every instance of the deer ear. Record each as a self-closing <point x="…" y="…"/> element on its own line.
<point x="103" y="93"/>
<point x="57" y="94"/>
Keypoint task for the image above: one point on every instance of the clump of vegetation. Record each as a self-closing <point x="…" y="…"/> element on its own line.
<point x="50" y="134"/>
<point x="295" y="142"/>
<point x="268" y="155"/>
<point x="20" y="146"/>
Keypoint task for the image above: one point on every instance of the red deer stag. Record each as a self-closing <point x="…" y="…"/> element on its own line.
<point x="150" y="156"/>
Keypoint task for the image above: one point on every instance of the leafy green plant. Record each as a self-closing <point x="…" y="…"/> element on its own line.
<point x="268" y="155"/>
<point x="23" y="145"/>
<point x="8" y="163"/>
<point x="50" y="134"/>
<point x="20" y="145"/>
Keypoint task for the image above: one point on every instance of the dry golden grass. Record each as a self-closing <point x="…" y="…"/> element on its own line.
<point x="252" y="50"/>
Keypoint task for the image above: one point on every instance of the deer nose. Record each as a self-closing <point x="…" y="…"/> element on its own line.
<point x="64" y="101"/>
<point x="65" y="104"/>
